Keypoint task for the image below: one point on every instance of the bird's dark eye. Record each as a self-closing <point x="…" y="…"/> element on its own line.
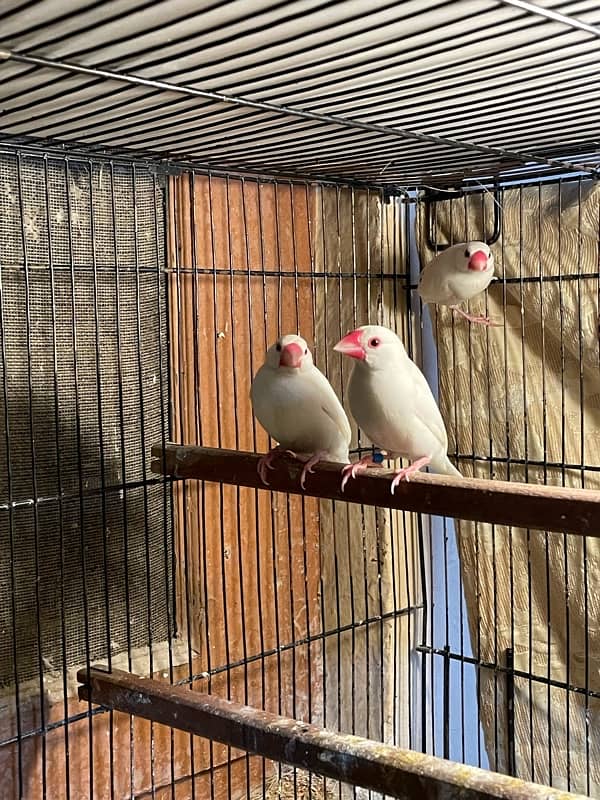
<point x="374" y="342"/>
<point x="278" y="348"/>
<point x="306" y="352"/>
<point x="466" y="254"/>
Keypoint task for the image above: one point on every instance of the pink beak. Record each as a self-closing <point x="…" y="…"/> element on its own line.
<point x="350" y="345"/>
<point x="291" y="356"/>
<point x="478" y="261"/>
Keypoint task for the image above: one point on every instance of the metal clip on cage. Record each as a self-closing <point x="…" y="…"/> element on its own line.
<point x="433" y="196"/>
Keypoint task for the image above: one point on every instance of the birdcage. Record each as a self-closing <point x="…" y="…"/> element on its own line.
<point x="182" y="183"/>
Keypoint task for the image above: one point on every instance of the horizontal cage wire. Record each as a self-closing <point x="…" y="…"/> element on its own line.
<point x="85" y="391"/>
<point x="520" y="404"/>
<point x="305" y="632"/>
<point x="179" y="187"/>
<point x="273" y="600"/>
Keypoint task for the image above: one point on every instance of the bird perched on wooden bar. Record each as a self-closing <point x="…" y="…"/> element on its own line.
<point x="456" y="275"/>
<point x="392" y="403"/>
<point x="297" y="406"/>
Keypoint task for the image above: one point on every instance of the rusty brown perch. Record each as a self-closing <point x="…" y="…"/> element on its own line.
<point x="547" y="508"/>
<point x="398" y="773"/>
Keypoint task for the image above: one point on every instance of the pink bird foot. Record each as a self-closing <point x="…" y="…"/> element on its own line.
<point x="403" y="474"/>
<point x="266" y="462"/>
<point x="477" y="319"/>
<point x="308" y="467"/>
<point x="362" y="465"/>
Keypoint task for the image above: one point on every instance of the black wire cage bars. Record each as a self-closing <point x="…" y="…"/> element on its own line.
<point x="178" y="186"/>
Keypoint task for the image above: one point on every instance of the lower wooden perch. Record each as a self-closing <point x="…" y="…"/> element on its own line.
<point x="361" y="762"/>
<point x="523" y="505"/>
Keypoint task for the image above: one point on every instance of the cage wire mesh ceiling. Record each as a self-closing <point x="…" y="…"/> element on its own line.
<point x="383" y="92"/>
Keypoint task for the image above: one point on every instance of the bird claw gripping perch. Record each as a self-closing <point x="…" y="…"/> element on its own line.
<point x="352" y="470"/>
<point x="308" y="467"/>
<point x="266" y="462"/>
<point x="403" y="474"/>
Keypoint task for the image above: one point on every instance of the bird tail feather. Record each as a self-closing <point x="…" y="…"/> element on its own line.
<point x="447" y="468"/>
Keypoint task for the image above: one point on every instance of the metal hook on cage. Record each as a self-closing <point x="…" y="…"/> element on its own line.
<point x="433" y="196"/>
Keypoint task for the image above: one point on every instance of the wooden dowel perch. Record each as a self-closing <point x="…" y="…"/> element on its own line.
<point x="361" y="762"/>
<point x="547" y="508"/>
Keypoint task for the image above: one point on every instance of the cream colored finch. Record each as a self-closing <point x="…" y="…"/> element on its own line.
<point x="392" y="403"/>
<point x="456" y="275"/>
<point x="297" y="406"/>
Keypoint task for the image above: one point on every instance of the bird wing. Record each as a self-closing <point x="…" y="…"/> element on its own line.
<point x="433" y="281"/>
<point x="426" y="409"/>
<point x="301" y="411"/>
<point x="331" y="406"/>
<point x="425" y="280"/>
<point x="340" y="420"/>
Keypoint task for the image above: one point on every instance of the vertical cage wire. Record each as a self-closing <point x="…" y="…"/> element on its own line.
<point x="256" y="258"/>
<point x="144" y="316"/>
<point x="529" y="389"/>
<point x="83" y="351"/>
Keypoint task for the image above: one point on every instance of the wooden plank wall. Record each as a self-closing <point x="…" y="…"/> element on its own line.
<point x="248" y="573"/>
<point x="335" y="250"/>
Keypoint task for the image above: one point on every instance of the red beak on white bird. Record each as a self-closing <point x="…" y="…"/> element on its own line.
<point x="456" y="275"/>
<point x="291" y="355"/>
<point x="296" y="405"/>
<point x="479" y="261"/>
<point x="351" y="345"/>
<point x="392" y="404"/>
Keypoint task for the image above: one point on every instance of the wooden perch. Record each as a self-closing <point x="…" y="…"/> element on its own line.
<point x="351" y="759"/>
<point x="523" y="505"/>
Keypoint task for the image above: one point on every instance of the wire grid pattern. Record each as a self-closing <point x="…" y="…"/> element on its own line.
<point x="86" y="531"/>
<point x="390" y="94"/>
<point x="96" y="306"/>
<point x="251" y="620"/>
<point x="303" y="611"/>
<point x="521" y="403"/>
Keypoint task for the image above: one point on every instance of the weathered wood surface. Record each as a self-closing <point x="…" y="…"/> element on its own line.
<point x="362" y="762"/>
<point x="547" y="508"/>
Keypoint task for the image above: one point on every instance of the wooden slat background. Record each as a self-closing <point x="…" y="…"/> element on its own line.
<point x="249" y="561"/>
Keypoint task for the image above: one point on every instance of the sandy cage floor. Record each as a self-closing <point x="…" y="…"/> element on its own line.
<point x="298" y="786"/>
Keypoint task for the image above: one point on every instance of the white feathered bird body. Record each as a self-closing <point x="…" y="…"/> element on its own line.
<point x="457" y="274"/>
<point x="298" y="407"/>
<point x="392" y="403"/>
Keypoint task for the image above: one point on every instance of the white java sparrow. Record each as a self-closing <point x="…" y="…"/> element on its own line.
<point x="296" y="405"/>
<point x="392" y="403"/>
<point x="456" y="275"/>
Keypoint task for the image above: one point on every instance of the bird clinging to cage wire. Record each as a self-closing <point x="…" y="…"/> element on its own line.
<point x="296" y="405"/>
<point x="456" y="275"/>
<point x="392" y="403"/>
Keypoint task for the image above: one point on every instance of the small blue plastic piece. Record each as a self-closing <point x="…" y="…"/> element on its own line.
<point x="378" y="458"/>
